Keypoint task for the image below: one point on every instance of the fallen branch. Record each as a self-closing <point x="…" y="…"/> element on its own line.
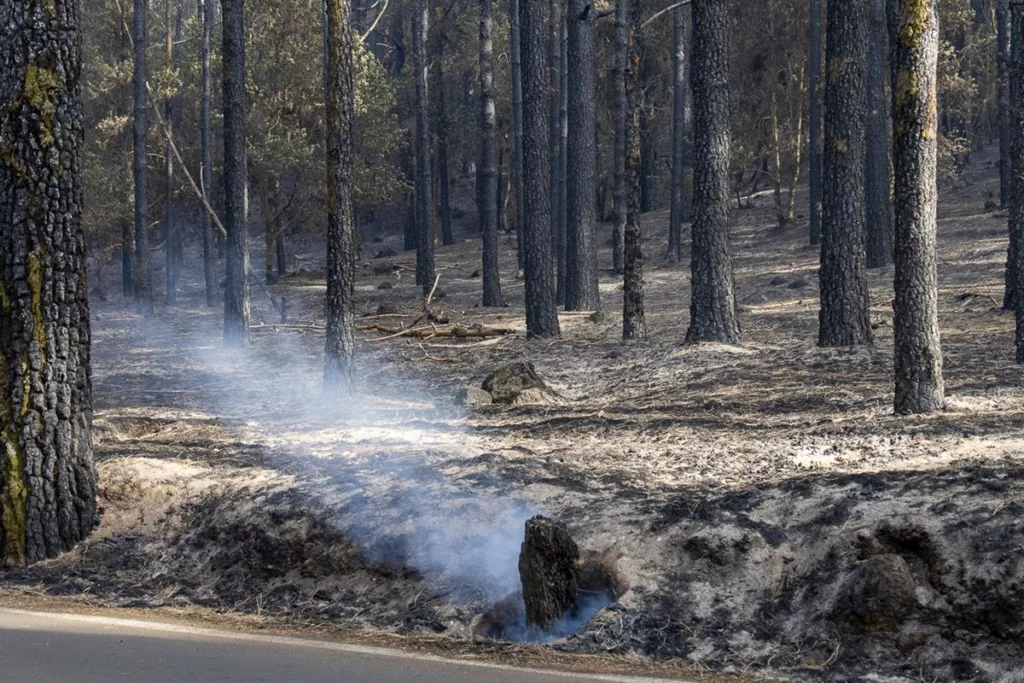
<point x="433" y="332"/>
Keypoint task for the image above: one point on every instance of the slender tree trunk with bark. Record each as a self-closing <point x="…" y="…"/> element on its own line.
<point x="1003" y="95"/>
<point x="517" y="129"/>
<point x="236" y="214"/>
<point x="140" y="133"/>
<point x="339" y="356"/>
<point x="713" y="301"/>
<point x="648" y="148"/>
<point x="424" y="203"/>
<point x="877" y="170"/>
<point x="814" y="90"/>
<point x="555" y="71"/>
<point x="619" y="156"/>
<point x="681" y="121"/>
<point x="444" y="208"/>
<point x="563" y="148"/>
<point x="1015" y="267"/>
<point x="581" y="285"/>
<point x="47" y="475"/>
<point x="170" y="229"/>
<point x="541" y="307"/>
<point x="489" y="189"/>
<point x="634" y="320"/>
<point x="206" y="172"/>
<point x="845" y="318"/>
<point x="918" y="353"/>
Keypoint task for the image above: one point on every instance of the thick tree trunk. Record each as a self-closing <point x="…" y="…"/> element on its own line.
<point x="236" y="214"/>
<point x="845" y="318"/>
<point x="1004" y="103"/>
<point x="682" y="120"/>
<point x="557" y="172"/>
<point x="1015" y="267"/>
<point x="814" y="90"/>
<point x="713" y="301"/>
<point x="339" y="363"/>
<point x="547" y="570"/>
<point x="619" y="156"/>
<point x="47" y="476"/>
<point x="563" y="149"/>
<point x="541" y="308"/>
<point x="581" y="286"/>
<point x="424" y="203"/>
<point x="517" y="130"/>
<point x="206" y="172"/>
<point x="140" y="132"/>
<point x="918" y="354"/>
<point x="877" y="177"/>
<point x="489" y="180"/>
<point x="170" y="229"/>
<point x="634" y="321"/>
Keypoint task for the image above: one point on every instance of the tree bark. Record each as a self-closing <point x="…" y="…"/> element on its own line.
<point x="563" y="149"/>
<point x="541" y="307"/>
<point x="557" y="172"/>
<point x="47" y="475"/>
<point x="619" y="156"/>
<point x="206" y="172"/>
<point x="444" y="209"/>
<point x="845" y="318"/>
<point x="1003" y="94"/>
<point x="424" y="203"/>
<point x="648" y="148"/>
<point x="682" y="120"/>
<point x="918" y="353"/>
<point x="170" y="229"/>
<point x="877" y="170"/>
<point x="547" y="570"/>
<point x="339" y="363"/>
<point x="517" y="130"/>
<point x="581" y="285"/>
<point x="713" y="301"/>
<point x="634" y="321"/>
<point x="814" y="90"/>
<point x="236" y="214"/>
<point x="489" y="180"/>
<point x="1015" y="268"/>
<point x="140" y="132"/>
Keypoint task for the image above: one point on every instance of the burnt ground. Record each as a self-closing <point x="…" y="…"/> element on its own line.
<point x="769" y="513"/>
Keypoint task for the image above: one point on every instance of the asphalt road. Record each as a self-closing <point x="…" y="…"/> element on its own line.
<point x="49" y="648"/>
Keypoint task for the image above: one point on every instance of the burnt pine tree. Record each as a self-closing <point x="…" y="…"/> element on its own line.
<point x="634" y="321"/>
<point x="713" y="301"/>
<point x="814" y="90"/>
<point x="424" y="205"/>
<point x="1003" y="94"/>
<point x="556" y="175"/>
<point x="236" y="249"/>
<point x="1017" y="165"/>
<point x="140" y="132"/>
<point x="541" y="307"/>
<point x="619" y="153"/>
<point x="47" y="476"/>
<point x="170" y="229"/>
<point x="918" y="354"/>
<point x="682" y="120"/>
<point x="844" y="318"/>
<point x="876" y="172"/>
<point x="205" y="142"/>
<point x="1016" y="220"/>
<point x="488" y="172"/>
<point x="127" y="226"/>
<point x="581" y="286"/>
<point x="517" y="127"/>
<point x="341" y="235"/>
<point x="444" y="208"/>
<point x="563" y="148"/>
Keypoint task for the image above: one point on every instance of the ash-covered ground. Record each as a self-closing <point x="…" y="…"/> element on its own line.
<point x="765" y="511"/>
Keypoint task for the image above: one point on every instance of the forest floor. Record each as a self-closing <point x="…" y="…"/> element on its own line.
<point x="756" y="497"/>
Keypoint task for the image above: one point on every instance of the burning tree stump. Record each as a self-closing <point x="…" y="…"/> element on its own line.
<point x="547" y="569"/>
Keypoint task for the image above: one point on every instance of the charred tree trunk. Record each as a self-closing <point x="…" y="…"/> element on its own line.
<point x="206" y="172"/>
<point x="563" y="149"/>
<point x="814" y="131"/>
<point x="682" y="119"/>
<point x="581" y="286"/>
<point x="47" y="476"/>
<point x="541" y="307"/>
<point x="424" y="203"/>
<point x="517" y="130"/>
<point x="845" y="318"/>
<point x="619" y="156"/>
<point x="713" y="301"/>
<point x="634" y="321"/>
<point x="1015" y="269"/>
<point x="140" y="133"/>
<point x="444" y="208"/>
<point x="170" y="229"/>
<point x="878" y="187"/>
<point x="648" y="149"/>
<point x="1003" y="94"/>
<point x="236" y="214"/>
<point x="282" y="257"/>
<point x="339" y="363"/>
<point x="547" y="569"/>
<point x="489" y="180"/>
<point x="555" y="72"/>
<point x="918" y="353"/>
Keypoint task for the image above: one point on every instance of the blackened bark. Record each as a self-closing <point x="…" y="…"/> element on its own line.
<point x="918" y="353"/>
<point x="648" y="148"/>
<point x="547" y="571"/>
<point x="424" y="203"/>
<point x="282" y="257"/>
<point x="563" y="148"/>
<point x="517" y="128"/>
<point x="634" y="321"/>
<point x="878" y="188"/>
<point x="713" y="301"/>
<point x="140" y="132"/>
<point x="444" y="209"/>
<point x="682" y="116"/>
<point x="489" y="180"/>
<point x="1015" y="268"/>
<point x="541" y="308"/>
<point x="170" y="229"/>
<point x="205" y="141"/>
<point x="814" y="89"/>
<point x="339" y="363"/>
<point x="557" y="172"/>
<point x="1003" y="94"/>
<point x="236" y="290"/>
<point x="844" y="318"/>
<point x="892" y="22"/>
<point x="619" y="156"/>
<point x="581" y="285"/>
<point x="47" y="476"/>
